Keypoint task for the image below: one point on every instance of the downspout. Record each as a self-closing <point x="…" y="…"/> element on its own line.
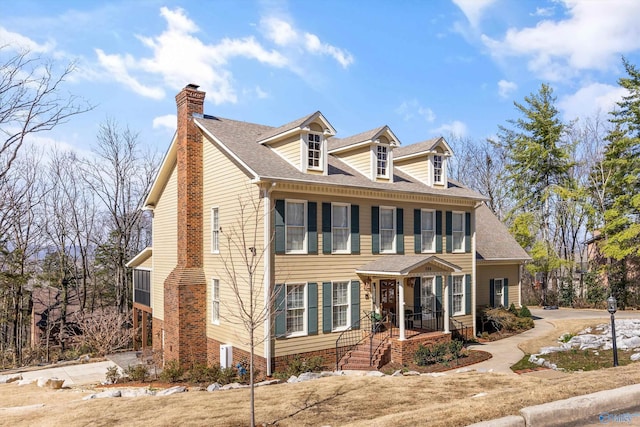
<point x="266" y="189"/>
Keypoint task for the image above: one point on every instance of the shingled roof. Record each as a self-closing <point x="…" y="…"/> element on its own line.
<point x="418" y="147"/>
<point x="493" y="240"/>
<point x="239" y="139"/>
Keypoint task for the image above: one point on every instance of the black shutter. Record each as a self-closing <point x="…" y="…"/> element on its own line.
<point x="467" y="232"/>
<point x="400" y="231"/>
<point x="449" y="230"/>
<point x="417" y="231"/>
<point x="375" y="229"/>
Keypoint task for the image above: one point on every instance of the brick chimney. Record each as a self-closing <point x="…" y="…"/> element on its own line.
<point x="185" y="287"/>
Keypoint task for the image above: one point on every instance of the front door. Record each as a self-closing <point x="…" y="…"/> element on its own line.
<point x="388" y="299"/>
<point x="427" y="298"/>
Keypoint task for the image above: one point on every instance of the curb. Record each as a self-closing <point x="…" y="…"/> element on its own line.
<point x="572" y="410"/>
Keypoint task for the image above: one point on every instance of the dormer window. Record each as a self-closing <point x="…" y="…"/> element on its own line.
<point x="438" y="176"/>
<point x="382" y="160"/>
<point x="314" y="147"/>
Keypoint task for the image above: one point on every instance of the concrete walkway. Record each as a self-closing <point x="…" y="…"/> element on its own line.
<point x="505" y="352"/>
<point x="84" y="373"/>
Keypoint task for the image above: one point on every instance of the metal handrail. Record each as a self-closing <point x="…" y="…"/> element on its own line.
<point x="456" y="327"/>
<point x="352" y="336"/>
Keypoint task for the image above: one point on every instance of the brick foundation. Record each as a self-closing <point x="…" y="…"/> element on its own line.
<point x="157" y="326"/>
<point x="328" y="355"/>
<point x="403" y="351"/>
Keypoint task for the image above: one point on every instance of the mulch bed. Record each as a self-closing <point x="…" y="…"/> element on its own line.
<point x="473" y="357"/>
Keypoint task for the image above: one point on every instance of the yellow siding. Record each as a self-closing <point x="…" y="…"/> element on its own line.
<point x="488" y="272"/>
<point x="324" y="268"/>
<point x="289" y="149"/>
<point x="359" y="159"/>
<point x="148" y="263"/>
<point x="417" y="167"/>
<point x="165" y="235"/>
<point x="234" y="196"/>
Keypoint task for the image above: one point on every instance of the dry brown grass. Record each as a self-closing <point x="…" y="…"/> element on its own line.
<point x="336" y="401"/>
<point x="561" y="326"/>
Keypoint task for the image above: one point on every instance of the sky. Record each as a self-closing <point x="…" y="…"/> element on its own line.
<point x="424" y="68"/>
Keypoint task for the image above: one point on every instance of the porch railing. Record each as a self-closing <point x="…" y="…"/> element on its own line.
<point x="458" y="330"/>
<point x="415" y="318"/>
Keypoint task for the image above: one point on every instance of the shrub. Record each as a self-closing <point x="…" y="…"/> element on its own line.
<point x="503" y="320"/>
<point x="438" y="353"/>
<point x="113" y="374"/>
<point x="172" y="372"/>
<point x="524" y="311"/>
<point x="104" y="331"/>
<point x="298" y="365"/>
<point x="227" y="375"/>
<point x="201" y="373"/>
<point x="137" y="372"/>
<point x="513" y="310"/>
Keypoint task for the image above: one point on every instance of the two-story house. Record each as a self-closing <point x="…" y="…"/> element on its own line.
<point x="349" y="230"/>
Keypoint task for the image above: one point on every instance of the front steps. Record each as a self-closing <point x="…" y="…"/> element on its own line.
<point x="358" y="357"/>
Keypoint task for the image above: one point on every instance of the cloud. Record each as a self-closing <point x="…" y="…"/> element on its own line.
<point x="284" y="34"/>
<point x="118" y="68"/>
<point x="19" y="43"/>
<point x="506" y="88"/>
<point x="410" y="109"/>
<point x="473" y="9"/>
<point x="593" y="36"/>
<point x="261" y="94"/>
<point x="591" y="99"/>
<point x="543" y="11"/>
<point x="168" y="121"/>
<point x="455" y="128"/>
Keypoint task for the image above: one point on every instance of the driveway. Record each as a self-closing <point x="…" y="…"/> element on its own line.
<point x="505" y="352"/>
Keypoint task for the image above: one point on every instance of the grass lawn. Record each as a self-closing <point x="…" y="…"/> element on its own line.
<point x="336" y="401"/>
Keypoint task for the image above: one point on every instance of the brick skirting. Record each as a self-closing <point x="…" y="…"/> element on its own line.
<point x="403" y="351"/>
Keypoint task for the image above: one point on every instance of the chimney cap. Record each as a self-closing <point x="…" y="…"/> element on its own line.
<point x="192" y="86"/>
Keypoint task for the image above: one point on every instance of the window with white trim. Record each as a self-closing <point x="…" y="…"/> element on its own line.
<point x="387" y="230"/>
<point x="428" y="228"/>
<point x="314" y="150"/>
<point x="296" y="307"/>
<point x="457" y="231"/>
<point x="438" y="175"/>
<point x="381" y="160"/>
<point x="215" y="231"/>
<point x="215" y="301"/>
<point x="296" y="226"/>
<point x="458" y="295"/>
<point x="340" y="306"/>
<point x="340" y="228"/>
<point x="498" y="290"/>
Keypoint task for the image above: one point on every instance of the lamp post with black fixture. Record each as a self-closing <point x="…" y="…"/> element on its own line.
<point x="612" y="307"/>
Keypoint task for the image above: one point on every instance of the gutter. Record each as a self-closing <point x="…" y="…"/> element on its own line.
<point x="267" y="188"/>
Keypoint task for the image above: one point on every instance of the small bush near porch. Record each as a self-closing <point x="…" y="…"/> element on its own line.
<point x="442" y="353"/>
<point x="499" y="322"/>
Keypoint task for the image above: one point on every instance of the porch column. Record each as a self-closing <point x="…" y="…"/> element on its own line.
<point x="401" y="308"/>
<point x="445" y="309"/>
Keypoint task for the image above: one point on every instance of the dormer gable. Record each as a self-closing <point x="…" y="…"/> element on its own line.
<point x="370" y="152"/>
<point x="426" y="161"/>
<point x="302" y="142"/>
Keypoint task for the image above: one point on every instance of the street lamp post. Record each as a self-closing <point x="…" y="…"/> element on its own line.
<point x="612" y="307"/>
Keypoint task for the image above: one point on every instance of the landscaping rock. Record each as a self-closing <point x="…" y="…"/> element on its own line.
<point x="397" y="373"/>
<point x="635" y="357"/>
<point x="411" y="374"/>
<point x="306" y="376"/>
<point x="267" y="382"/>
<point x="11" y="378"/>
<point x="324" y="374"/>
<point x="233" y="386"/>
<point x="172" y="390"/>
<point x="136" y="392"/>
<point x="213" y="387"/>
<point x="434" y="374"/>
<point x="478" y="395"/>
<point x="292" y="379"/>
<point x="375" y="374"/>
<point x="25" y="382"/>
<point x="55" y="383"/>
<point x="103" y="395"/>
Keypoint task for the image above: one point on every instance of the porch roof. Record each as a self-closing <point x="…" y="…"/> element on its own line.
<point x="405" y="265"/>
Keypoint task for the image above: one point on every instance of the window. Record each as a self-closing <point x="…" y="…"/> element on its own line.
<point x="215" y="231"/>
<point x="387" y="230"/>
<point x="296" y="309"/>
<point x="215" y="301"/>
<point x="340" y="305"/>
<point x="457" y="231"/>
<point x="458" y="295"/>
<point x="340" y="228"/>
<point x="381" y="157"/>
<point x="296" y="226"/>
<point x="437" y="170"/>
<point x="428" y="227"/>
<point x="315" y="151"/>
<point x="498" y="286"/>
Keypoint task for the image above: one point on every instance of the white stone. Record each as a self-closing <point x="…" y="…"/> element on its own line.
<point x="292" y="379"/>
<point x="397" y="373"/>
<point x="56" y="383"/>
<point x="635" y="357"/>
<point x="103" y="395"/>
<point x="172" y="390"/>
<point x="267" y="382"/>
<point x="324" y="374"/>
<point x="375" y="374"/>
<point x="411" y="373"/>
<point x="136" y="392"/>
<point x="306" y="376"/>
<point x="213" y="387"/>
<point x="478" y="395"/>
<point x="43" y="382"/>
<point x="434" y="374"/>
<point x="11" y="378"/>
<point x="233" y="386"/>
<point x="462" y="370"/>
<point x="25" y="382"/>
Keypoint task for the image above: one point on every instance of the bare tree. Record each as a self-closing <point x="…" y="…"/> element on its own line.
<point x="243" y="253"/>
<point x="31" y="100"/>
<point x="121" y="176"/>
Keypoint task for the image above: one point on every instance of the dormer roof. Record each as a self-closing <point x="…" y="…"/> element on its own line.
<point x="296" y="126"/>
<point x="337" y="145"/>
<point x="425" y="147"/>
